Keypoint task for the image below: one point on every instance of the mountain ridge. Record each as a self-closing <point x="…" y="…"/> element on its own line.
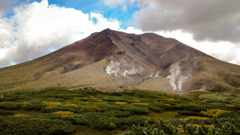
<point x="130" y="59"/>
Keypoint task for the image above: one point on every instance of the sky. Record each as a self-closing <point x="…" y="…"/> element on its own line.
<point x="33" y="28"/>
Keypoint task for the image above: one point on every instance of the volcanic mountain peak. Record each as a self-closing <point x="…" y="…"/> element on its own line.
<point x="112" y="59"/>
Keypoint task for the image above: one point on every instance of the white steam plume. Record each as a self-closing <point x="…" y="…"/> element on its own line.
<point x="122" y="68"/>
<point x="176" y="76"/>
<point x="154" y="74"/>
<point x="113" y="68"/>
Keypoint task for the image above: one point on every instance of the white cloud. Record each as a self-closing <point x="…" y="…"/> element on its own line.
<point x="6" y="4"/>
<point x="207" y="20"/>
<point x="37" y="26"/>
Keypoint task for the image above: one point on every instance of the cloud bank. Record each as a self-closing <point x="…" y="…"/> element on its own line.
<point x="6" y="4"/>
<point x="38" y="28"/>
<point x="212" y="20"/>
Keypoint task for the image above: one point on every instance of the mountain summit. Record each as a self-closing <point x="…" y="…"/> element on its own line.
<point x="111" y="59"/>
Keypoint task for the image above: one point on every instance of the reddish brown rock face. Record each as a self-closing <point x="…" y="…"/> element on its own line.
<point x="141" y="58"/>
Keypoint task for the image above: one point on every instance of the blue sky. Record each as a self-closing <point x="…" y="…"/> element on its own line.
<point x="124" y="16"/>
<point x="33" y="28"/>
<point x="88" y="6"/>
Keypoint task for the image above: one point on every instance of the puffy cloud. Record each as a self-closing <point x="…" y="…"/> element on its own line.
<point x="207" y="20"/>
<point x="38" y="28"/>
<point x="212" y="20"/>
<point x="6" y="4"/>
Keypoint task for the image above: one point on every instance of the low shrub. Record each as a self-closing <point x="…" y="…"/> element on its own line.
<point x="108" y="107"/>
<point x="230" y="105"/>
<point x="73" y="105"/>
<point x="63" y="112"/>
<point x="195" y="117"/>
<point x="50" y="107"/>
<point x="52" y="103"/>
<point x="9" y="106"/>
<point x="135" y="110"/>
<point x="20" y="115"/>
<point x="6" y="112"/>
<point x="214" y="112"/>
<point x="90" y="109"/>
<point x="167" y="128"/>
<point x="121" y="103"/>
<point x="117" y="113"/>
<point x="28" y="126"/>
<point x="140" y="104"/>
<point x="169" y="99"/>
<point x="101" y="121"/>
<point x="32" y="106"/>
<point x="74" y="118"/>
<point x="155" y="108"/>
<point x="189" y="113"/>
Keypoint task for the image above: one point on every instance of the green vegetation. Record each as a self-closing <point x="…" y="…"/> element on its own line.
<point x="233" y="80"/>
<point x="88" y="111"/>
<point x="184" y="128"/>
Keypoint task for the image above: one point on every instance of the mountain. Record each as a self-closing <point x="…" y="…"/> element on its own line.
<point x="116" y="60"/>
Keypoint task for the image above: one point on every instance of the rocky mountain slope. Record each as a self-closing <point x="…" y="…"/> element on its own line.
<point x="117" y="60"/>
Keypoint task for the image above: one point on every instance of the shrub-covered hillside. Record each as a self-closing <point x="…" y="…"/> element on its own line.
<point x="88" y="111"/>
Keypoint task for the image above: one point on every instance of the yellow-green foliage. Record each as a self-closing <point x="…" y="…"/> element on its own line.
<point x="36" y="100"/>
<point x="140" y="104"/>
<point x="195" y="117"/>
<point x="87" y="102"/>
<point x="93" y="98"/>
<point x="180" y="127"/>
<point x="231" y="105"/>
<point x="74" y="105"/>
<point x="136" y="100"/>
<point x="119" y="99"/>
<point x="121" y="103"/>
<point x="214" y="112"/>
<point x="24" y="103"/>
<point x="20" y="115"/>
<point x="100" y="103"/>
<point x="112" y="125"/>
<point x="76" y="98"/>
<point x="90" y="108"/>
<point x="219" y="104"/>
<point x="55" y="99"/>
<point x="63" y="112"/>
<point x="52" y="103"/>
<point x="8" y="102"/>
<point x="192" y="104"/>
<point x="170" y="99"/>
<point x="50" y="107"/>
